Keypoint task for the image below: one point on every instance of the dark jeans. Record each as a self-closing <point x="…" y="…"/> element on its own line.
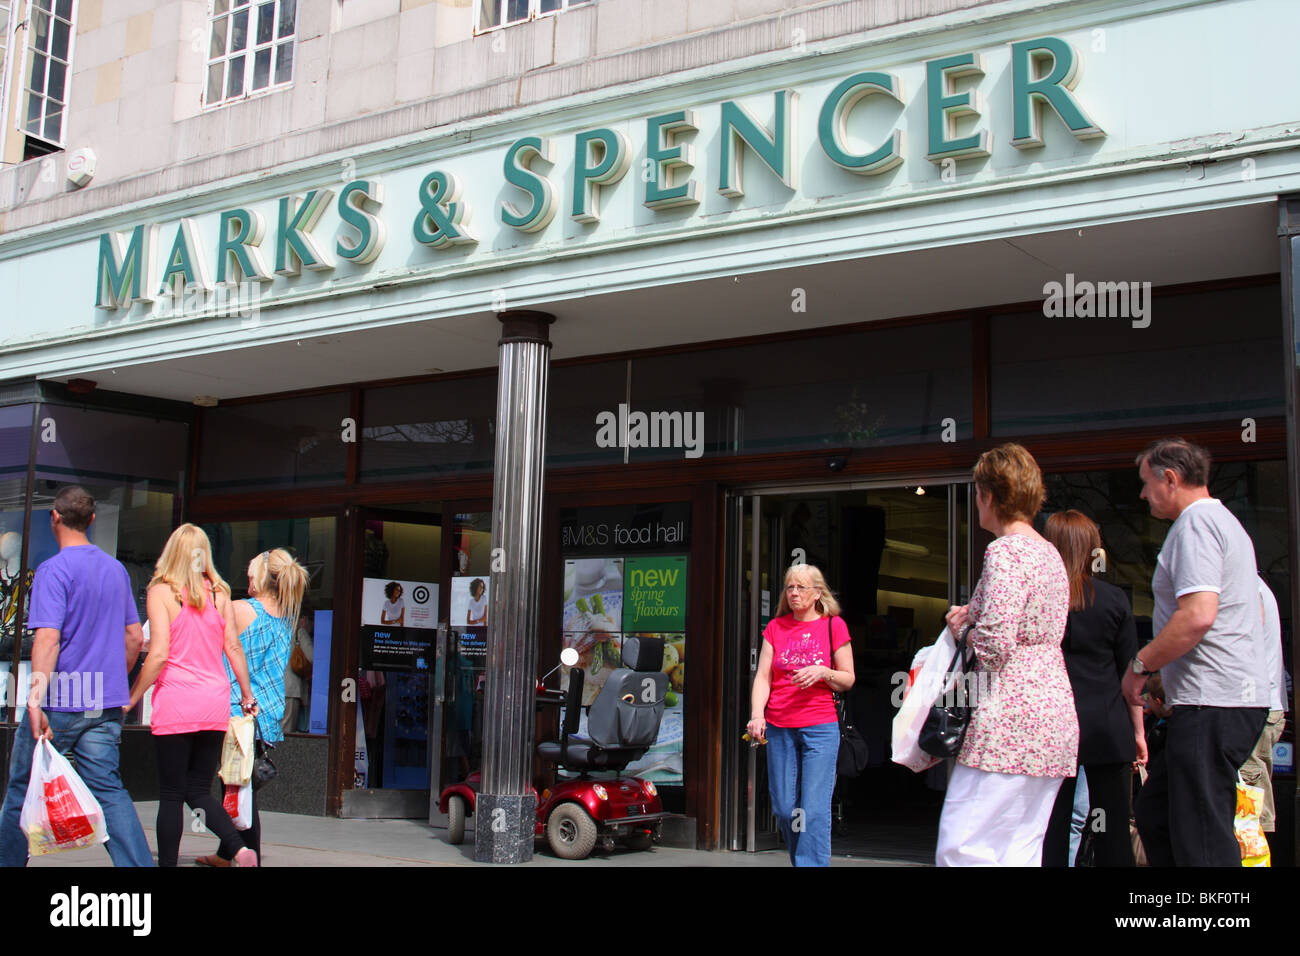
<point x="1186" y="808"/>
<point x="187" y="764"/>
<point x="1108" y="791"/>
<point x="92" y="739"/>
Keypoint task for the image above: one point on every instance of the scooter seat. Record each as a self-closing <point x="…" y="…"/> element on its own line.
<point x="584" y="755"/>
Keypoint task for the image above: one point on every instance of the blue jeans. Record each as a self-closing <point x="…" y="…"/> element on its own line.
<point x="1079" y="817"/>
<point x="93" y="740"/>
<point x="801" y="779"/>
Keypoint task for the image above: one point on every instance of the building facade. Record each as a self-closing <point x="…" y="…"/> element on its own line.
<point x="805" y="261"/>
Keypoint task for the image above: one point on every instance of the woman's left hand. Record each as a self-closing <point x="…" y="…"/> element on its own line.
<point x="249" y="705"/>
<point x="807" y="676"/>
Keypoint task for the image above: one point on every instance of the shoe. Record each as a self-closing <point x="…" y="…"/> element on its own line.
<point x="212" y="860"/>
<point x="244" y="857"/>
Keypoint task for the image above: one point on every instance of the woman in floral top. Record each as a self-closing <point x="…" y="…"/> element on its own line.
<point x="1023" y="736"/>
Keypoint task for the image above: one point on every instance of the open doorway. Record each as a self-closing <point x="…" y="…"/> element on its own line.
<point x="896" y="558"/>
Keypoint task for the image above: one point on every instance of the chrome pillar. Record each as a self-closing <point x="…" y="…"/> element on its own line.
<point x="505" y="810"/>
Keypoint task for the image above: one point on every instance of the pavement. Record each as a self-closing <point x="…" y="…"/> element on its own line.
<point x="293" y="840"/>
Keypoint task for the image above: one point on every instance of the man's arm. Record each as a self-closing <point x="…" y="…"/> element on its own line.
<point x="134" y="641"/>
<point x="45" y="654"/>
<point x="1182" y="632"/>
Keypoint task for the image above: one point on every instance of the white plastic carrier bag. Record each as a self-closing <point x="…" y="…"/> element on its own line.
<point x="59" y="812"/>
<point x="924" y="684"/>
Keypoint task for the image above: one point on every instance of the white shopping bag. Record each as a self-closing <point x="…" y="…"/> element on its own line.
<point x="238" y="804"/>
<point x="924" y="684"/>
<point x="59" y="812"/>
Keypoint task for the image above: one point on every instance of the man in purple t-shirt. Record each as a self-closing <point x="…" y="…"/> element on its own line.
<point x="87" y="628"/>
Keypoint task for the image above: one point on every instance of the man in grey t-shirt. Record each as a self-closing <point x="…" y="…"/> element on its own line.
<point x="1209" y="648"/>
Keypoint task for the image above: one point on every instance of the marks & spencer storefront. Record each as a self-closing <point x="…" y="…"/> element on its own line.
<point x="791" y="306"/>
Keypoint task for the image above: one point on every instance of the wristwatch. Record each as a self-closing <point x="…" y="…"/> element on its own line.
<point x="1138" y="666"/>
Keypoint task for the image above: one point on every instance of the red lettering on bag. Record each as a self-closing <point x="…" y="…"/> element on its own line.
<point x="67" y="820"/>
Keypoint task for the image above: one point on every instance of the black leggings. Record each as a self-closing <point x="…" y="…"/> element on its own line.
<point x="187" y="764"/>
<point x="1108" y="791"/>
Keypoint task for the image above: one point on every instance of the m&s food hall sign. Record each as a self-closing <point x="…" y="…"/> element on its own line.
<point x="147" y="264"/>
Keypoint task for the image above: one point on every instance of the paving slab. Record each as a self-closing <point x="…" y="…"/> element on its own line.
<point x="294" y="840"/>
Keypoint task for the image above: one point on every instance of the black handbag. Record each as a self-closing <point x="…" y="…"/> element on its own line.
<point x="852" y="758"/>
<point x="945" y="725"/>
<point x="263" y="768"/>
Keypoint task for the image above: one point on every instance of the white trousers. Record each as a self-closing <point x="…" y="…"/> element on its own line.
<point x="994" y="819"/>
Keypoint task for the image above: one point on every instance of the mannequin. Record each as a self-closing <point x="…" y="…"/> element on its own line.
<point x="11" y="549"/>
<point x="11" y="546"/>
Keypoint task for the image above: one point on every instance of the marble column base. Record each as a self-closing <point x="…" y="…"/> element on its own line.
<point x="503" y="828"/>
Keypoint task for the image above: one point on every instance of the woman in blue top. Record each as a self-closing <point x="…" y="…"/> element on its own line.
<point x="276" y="584"/>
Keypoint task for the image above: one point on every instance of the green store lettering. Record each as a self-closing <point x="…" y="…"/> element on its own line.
<point x="133" y="267"/>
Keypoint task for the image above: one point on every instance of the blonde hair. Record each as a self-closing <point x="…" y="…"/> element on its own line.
<point x="185" y="564"/>
<point x="826" y="602"/>
<point x="278" y="573"/>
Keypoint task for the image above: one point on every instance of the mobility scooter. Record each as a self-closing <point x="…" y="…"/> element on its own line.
<point x="575" y="814"/>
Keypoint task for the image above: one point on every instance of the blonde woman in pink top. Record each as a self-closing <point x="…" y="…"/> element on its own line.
<point x="1023" y="737"/>
<point x="191" y="625"/>
<point x="805" y="659"/>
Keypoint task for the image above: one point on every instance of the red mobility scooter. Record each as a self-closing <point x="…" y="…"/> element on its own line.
<point x="576" y="814"/>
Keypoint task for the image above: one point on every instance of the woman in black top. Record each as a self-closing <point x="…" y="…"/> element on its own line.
<point x="1100" y="640"/>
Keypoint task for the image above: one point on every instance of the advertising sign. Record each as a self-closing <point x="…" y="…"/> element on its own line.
<point x="469" y="601"/>
<point x="398" y="624"/>
<point x="609" y="598"/>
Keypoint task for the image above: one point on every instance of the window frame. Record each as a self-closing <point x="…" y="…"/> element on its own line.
<point x="249" y="51"/>
<point x="20" y="120"/>
<point x="534" y="13"/>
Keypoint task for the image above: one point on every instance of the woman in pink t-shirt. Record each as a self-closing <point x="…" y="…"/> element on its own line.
<point x="806" y="656"/>
<point x="191" y="624"/>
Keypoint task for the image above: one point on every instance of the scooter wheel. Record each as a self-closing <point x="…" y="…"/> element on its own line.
<point x="456" y="820"/>
<point x="571" y="832"/>
<point x="638" y="841"/>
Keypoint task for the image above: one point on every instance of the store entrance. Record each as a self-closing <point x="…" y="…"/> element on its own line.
<point x="896" y="557"/>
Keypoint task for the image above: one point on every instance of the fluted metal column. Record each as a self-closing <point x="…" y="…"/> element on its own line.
<point x="505" y="809"/>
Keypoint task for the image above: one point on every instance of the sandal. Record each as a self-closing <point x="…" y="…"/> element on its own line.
<point x="212" y="860"/>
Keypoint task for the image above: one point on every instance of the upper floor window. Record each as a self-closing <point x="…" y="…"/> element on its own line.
<point x="49" y="53"/>
<point x="251" y="48"/>
<point x="496" y="13"/>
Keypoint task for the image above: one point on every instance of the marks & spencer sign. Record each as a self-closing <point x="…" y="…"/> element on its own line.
<point x="243" y="245"/>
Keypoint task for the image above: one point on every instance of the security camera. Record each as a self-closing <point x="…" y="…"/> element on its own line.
<point x="837" y="463"/>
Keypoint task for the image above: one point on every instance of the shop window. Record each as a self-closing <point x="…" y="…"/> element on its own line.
<point x="902" y="385"/>
<point x="1204" y="356"/>
<point x="410" y="431"/>
<point x="133" y="466"/>
<point x="498" y="13"/>
<point x="311" y="541"/>
<point x="576" y="395"/>
<point x="15" y="447"/>
<point x="1254" y="491"/>
<point x="287" y="442"/>
<point x="49" y="57"/>
<point x="250" y="48"/>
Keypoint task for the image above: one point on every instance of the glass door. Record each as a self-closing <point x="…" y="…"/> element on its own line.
<point x="398" y="628"/>
<point x="896" y="559"/>
<point x="456" y="726"/>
